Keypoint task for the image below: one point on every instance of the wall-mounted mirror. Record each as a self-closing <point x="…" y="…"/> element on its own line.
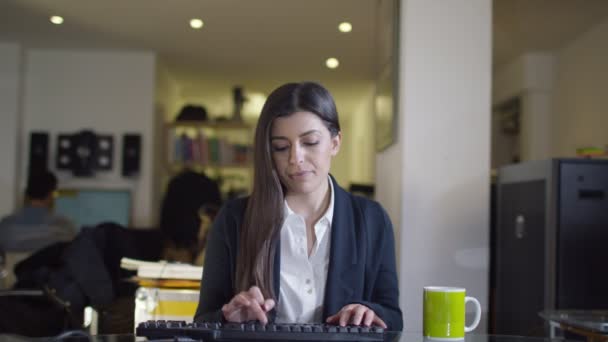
<point x="385" y="110"/>
<point x="385" y="99"/>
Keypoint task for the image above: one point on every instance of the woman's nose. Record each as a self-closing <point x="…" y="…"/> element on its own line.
<point x="296" y="154"/>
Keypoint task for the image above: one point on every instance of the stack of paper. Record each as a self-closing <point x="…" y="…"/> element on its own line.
<point x="162" y="269"/>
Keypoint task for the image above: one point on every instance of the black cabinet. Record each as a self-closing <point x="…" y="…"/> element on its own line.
<point x="551" y="238"/>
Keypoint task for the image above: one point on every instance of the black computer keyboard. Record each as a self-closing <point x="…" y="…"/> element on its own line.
<point x="180" y="330"/>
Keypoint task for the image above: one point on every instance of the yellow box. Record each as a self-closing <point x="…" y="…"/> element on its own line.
<point x="167" y="304"/>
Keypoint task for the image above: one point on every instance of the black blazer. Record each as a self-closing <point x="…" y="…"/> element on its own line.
<point x="361" y="266"/>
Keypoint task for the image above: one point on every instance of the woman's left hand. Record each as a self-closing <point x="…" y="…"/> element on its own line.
<point x="356" y="314"/>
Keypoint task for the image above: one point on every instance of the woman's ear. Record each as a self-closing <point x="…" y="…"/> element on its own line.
<point x="335" y="144"/>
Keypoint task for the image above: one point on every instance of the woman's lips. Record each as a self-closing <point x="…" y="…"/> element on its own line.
<point x="300" y="174"/>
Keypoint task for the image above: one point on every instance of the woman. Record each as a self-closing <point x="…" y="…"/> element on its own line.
<point x="300" y="248"/>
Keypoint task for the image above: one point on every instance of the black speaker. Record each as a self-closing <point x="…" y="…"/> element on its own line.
<point x="39" y="152"/>
<point x="131" y="154"/>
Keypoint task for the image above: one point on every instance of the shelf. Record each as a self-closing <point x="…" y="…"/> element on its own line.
<point x="210" y="124"/>
<point x="207" y="151"/>
<point x="221" y="149"/>
<point x="198" y="166"/>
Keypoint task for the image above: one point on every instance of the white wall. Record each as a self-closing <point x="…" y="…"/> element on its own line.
<point x="166" y="104"/>
<point x="533" y="71"/>
<point x="536" y="121"/>
<point x="531" y="78"/>
<point x="10" y="83"/>
<point x="388" y="179"/>
<point x="111" y="92"/>
<point x="167" y="98"/>
<point x="581" y="102"/>
<point x="444" y="149"/>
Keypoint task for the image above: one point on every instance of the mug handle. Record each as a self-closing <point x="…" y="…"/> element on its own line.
<point x="477" y="313"/>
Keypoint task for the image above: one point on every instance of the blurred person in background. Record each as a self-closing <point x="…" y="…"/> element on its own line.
<point x="189" y="206"/>
<point x="36" y="225"/>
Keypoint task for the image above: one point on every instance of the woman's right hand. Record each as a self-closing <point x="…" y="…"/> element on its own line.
<point x="247" y="306"/>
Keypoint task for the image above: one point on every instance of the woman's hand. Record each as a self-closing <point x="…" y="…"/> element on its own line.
<point x="247" y="306"/>
<point x="356" y="314"/>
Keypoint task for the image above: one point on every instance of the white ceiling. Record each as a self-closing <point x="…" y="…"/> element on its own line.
<point x="262" y="43"/>
<point x="541" y="25"/>
<point x="255" y="43"/>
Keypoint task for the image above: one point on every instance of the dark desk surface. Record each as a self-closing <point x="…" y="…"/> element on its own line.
<point x="592" y="324"/>
<point x="590" y="320"/>
<point x="402" y="337"/>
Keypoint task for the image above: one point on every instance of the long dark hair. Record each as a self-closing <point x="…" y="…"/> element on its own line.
<point x="264" y="214"/>
<point x="186" y="194"/>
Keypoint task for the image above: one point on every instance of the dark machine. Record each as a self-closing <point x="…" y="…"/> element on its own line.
<point x="550" y="242"/>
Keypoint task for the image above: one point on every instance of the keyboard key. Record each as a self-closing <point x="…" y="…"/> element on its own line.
<point x="260" y="327"/>
<point x="234" y="326"/>
<point x="378" y="330"/>
<point x="175" y="324"/>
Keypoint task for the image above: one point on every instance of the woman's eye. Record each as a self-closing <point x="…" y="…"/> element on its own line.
<point x="279" y="148"/>
<point x="311" y="143"/>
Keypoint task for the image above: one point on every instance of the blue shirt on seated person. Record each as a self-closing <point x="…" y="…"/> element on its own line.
<point x="35" y="225"/>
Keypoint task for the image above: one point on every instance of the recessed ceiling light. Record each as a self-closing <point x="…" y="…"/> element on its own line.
<point x="196" y="23"/>
<point x="345" y="27"/>
<point x="57" y="20"/>
<point x="332" y="63"/>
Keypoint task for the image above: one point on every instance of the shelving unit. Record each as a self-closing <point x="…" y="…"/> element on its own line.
<point x="223" y="150"/>
<point x="213" y="144"/>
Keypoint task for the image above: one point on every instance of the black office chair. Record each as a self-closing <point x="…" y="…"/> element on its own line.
<point x="68" y="276"/>
<point x="35" y="311"/>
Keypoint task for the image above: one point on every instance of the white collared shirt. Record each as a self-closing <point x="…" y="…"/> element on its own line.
<point x="302" y="287"/>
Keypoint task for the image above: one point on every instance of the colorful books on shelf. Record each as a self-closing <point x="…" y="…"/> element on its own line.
<point x="162" y="269"/>
<point x="200" y="149"/>
<point x="592" y="151"/>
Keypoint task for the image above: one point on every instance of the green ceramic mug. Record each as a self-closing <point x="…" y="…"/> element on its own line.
<point x="444" y="312"/>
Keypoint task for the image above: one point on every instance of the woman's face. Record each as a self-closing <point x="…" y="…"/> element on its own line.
<point x="302" y="149"/>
